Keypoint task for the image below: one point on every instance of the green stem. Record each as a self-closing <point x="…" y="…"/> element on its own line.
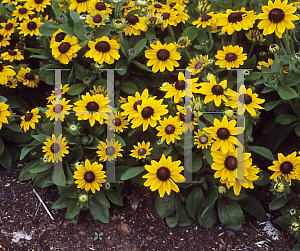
<point x="38" y="126"/>
<point x="210" y="35"/>
<point x="287" y="43"/>
<point x="278" y="69"/>
<point x="291" y="104"/>
<point x="233" y="39"/>
<point x="251" y="49"/>
<point x="171" y="31"/>
<point x="187" y="53"/>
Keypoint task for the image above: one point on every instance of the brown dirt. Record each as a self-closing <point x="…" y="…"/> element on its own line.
<point x="129" y="229"/>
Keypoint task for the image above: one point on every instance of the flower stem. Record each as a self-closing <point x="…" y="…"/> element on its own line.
<point x="171" y="31"/>
<point x="287" y="43"/>
<point x="38" y="126"/>
<point x="251" y="49"/>
<point x="187" y="53"/>
<point x="278" y="69"/>
<point x="233" y="39"/>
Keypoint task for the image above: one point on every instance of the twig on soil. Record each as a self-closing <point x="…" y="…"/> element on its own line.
<point x="43" y="204"/>
<point x="37" y="210"/>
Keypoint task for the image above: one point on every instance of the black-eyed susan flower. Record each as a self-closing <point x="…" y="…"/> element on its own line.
<point x="206" y="20"/>
<point x="202" y="139"/>
<point x="170" y="129"/>
<point x="95" y="20"/>
<point x="22" y="12"/>
<point x="181" y="88"/>
<point x="181" y="15"/>
<point x="5" y="72"/>
<point x="157" y="7"/>
<point x="14" y="2"/>
<point x="197" y="64"/>
<point x="30" y="27"/>
<point x="55" y="148"/>
<point x="251" y="100"/>
<point x="149" y="112"/>
<point x="62" y="90"/>
<point x="136" y="24"/>
<point x="222" y="132"/>
<point x="162" y="57"/>
<point x="182" y="42"/>
<point x="54" y="106"/>
<point x="109" y="151"/>
<point x="203" y="6"/>
<point x="4" y="113"/>
<point x="65" y="50"/>
<point x="117" y="122"/>
<point x="4" y="41"/>
<point x="266" y="64"/>
<point x="12" y="55"/>
<point x="231" y="57"/>
<point x="169" y="18"/>
<point x="103" y="50"/>
<point x="11" y="82"/>
<point x="196" y="103"/>
<point x="38" y="5"/>
<point x="99" y="90"/>
<point x="58" y="36"/>
<point x="288" y="166"/>
<point x="236" y="20"/>
<point x="182" y="111"/>
<point x="162" y="175"/>
<point x="79" y="5"/>
<point x="141" y="151"/>
<point x="119" y="23"/>
<point x="28" y="79"/>
<point x="89" y="176"/>
<point x="131" y="107"/>
<point x="92" y="108"/>
<point x="96" y="6"/>
<point x="255" y="36"/>
<point x="214" y="91"/>
<point x="276" y="17"/>
<point x="30" y="119"/>
<point x="8" y="27"/>
<point x="154" y="18"/>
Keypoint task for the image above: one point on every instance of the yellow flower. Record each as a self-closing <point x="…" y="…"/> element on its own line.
<point x="4" y="41"/>
<point x="206" y="20"/>
<point x="136" y="24"/>
<point x="79" y="5"/>
<point x="4" y="114"/>
<point x="109" y="151"/>
<point x="38" y="5"/>
<point x="29" y="119"/>
<point x="255" y="36"/>
<point x="203" y="140"/>
<point x="117" y="122"/>
<point x="12" y="55"/>
<point x="22" y="12"/>
<point x="266" y="64"/>
<point x="96" y="6"/>
<point x="170" y="129"/>
<point x="11" y="82"/>
<point x="231" y="57"/>
<point x="27" y="78"/>
<point x="197" y="64"/>
<point x="141" y="150"/>
<point x="8" y="27"/>
<point x="5" y="72"/>
<point x="95" y="20"/>
<point x="55" y="148"/>
<point x="64" y="108"/>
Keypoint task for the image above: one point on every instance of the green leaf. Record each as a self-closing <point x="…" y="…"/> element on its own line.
<point x="270" y="105"/>
<point x="250" y="64"/>
<point x="296" y="247"/>
<point x="128" y="87"/>
<point x="141" y="66"/>
<point x="262" y="151"/>
<point x="58" y="176"/>
<point x="76" y="89"/>
<point x="209" y="219"/>
<point x="25" y="175"/>
<point x="3" y="11"/>
<point x="132" y="172"/>
<point x="114" y="197"/>
<point x="47" y="73"/>
<point x="264" y="178"/>
<point x="1" y="146"/>
<point x="172" y="221"/>
<point x="165" y="206"/>
<point x="120" y="140"/>
<point x="194" y="202"/>
<point x="44" y="179"/>
<point x="48" y="28"/>
<point x="68" y="191"/>
<point x="41" y="137"/>
<point x="230" y="194"/>
<point x="101" y="198"/>
<point x="6" y="159"/>
<point x="99" y="211"/>
<point x="75" y="155"/>
<point x="279" y="202"/>
<point x="67" y="29"/>
<point x="122" y="66"/>
<point x="254" y="207"/>
<point x="230" y="213"/>
<point x="73" y="210"/>
<point x="39" y="56"/>
<point x="285" y="119"/>
<point x="297" y="129"/>
<point x="190" y="32"/>
<point x="211" y="196"/>
<point x="140" y="46"/>
<point x="61" y="203"/>
<point x="194" y="161"/>
<point x="208" y="157"/>
<point x="286" y="92"/>
<point x="40" y="167"/>
<point x="3" y="99"/>
<point x="104" y="31"/>
<point x="75" y="16"/>
<point x="80" y="31"/>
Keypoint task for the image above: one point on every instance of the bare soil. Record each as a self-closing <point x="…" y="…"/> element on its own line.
<point x="129" y="229"/>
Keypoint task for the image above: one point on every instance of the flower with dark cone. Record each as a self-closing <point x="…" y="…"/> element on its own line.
<point x="231" y="57"/>
<point x="162" y="57"/>
<point x="197" y="64"/>
<point x="118" y="122"/>
<point x="141" y="151"/>
<point x="136" y="24"/>
<point x="182" y="111"/>
<point x="154" y="18"/>
<point x="162" y="175"/>
<point x="99" y="7"/>
<point x="182" y="42"/>
<point x="65" y="50"/>
<point x="288" y="166"/>
<point x="79" y="5"/>
<point x="22" y="12"/>
<point x="95" y="20"/>
<point x="8" y="27"/>
<point x="4" y="41"/>
<point x="12" y="55"/>
<point x="89" y="176"/>
<point x="206" y="20"/>
<point x="109" y="151"/>
<point x="5" y="72"/>
<point x="203" y="140"/>
<point x="55" y="148"/>
<point x="103" y="50"/>
<point x="170" y="129"/>
<point x="27" y="78"/>
<point x="4" y="113"/>
<point x="255" y="36"/>
<point x="30" y="27"/>
<point x="52" y="112"/>
<point x="276" y="17"/>
<point x="266" y="64"/>
<point x="169" y="17"/>
<point x="38" y="5"/>
<point x="92" y="108"/>
<point x="58" y="36"/>
<point x="11" y="82"/>
<point x="222" y="132"/>
<point x="30" y="119"/>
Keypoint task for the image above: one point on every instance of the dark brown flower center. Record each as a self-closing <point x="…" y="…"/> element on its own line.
<point x="217" y="90"/>
<point x="60" y="37"/>
<point x="9" y="26"/>
<point x="110" y="150"/>
<point x="132" y="19"/>
<point x="152" y="19"/>
<point x="28" y="116"/>
<point x="157" y="5"/>
<point x="203" y="139"/>
<point x="180" y="85"/>
<point x="9" y="83"/>
<point x="56" y="107"/>
<point x="20" y="47"/>
<point x="81" y="1"/>
<point x="276" y="15"/>
<point x="102" y="46"/>
<point x="38" y="1"/>
<point x="247" y="99"/>
<point x="31" y="26"/>
<point x="172" y="5"/>
<point x="92" y="106"/>
<point x="29" y="76"/>
<point x="54" y="148"/>
<point x="223" y="133"/>
<point x="1" y="67"/>
<point x="169" y="129"/>
<point x="236" y="17"/>
<point x="165" y="15"/>
<point x="205" y="18"/>
<point x="97" y="19"/>
<point x="89" y="176"/>
<point x="230" y="57"/>
<point x="147" y="112"/>
<point x="136" y="104"/>
<point x="182" y="43"/>
<point x="12" y="53"/>
<point x="22" y="11"/>
<point x="64" y="47"/>
<point x="141" y="151"/>
<point x="199" y="64"/>
<point x="163" y="55"/>
<point x="286" y="167"/>
<point x="230" y="163"/>
<point x="117" y="122"/>
<point x="100" y="6"/>
<point x="163" y="173"/>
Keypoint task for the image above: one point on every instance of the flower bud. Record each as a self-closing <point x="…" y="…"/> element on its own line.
<point x="221" y="189"/>
<point x="279" y="187"/>
<point x="107" y="186"/>
<point x="246" y="73"/>
<point x="83" y="198"/>
<point x="295" y="226"/>
<point x="229" y="113"/>
<point x="73" y="128"/>
<point x="297" y="55"/>
<point x="273" y="48"/>
<point x="45" y="159"/>
<point x="293" y="211"/>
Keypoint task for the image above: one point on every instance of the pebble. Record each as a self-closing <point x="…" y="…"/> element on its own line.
<point x="124" y="228"/>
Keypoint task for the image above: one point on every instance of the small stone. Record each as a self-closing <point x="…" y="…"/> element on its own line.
<point x="108" y="242"/>
<point x="11" y="221"/>
<point x="124" y="228"/>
